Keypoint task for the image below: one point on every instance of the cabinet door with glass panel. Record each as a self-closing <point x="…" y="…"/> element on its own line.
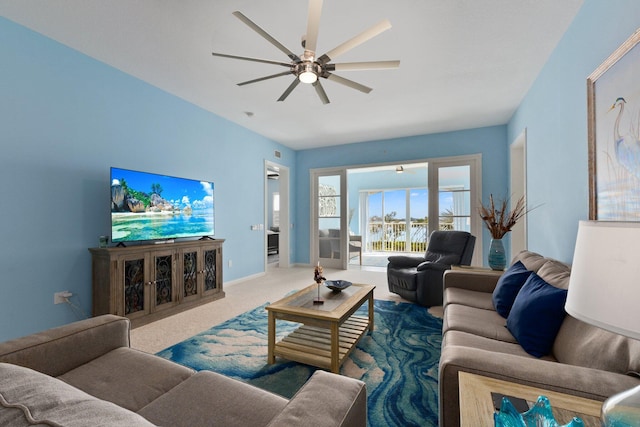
<point x="132" y="293"/>
<point x="163" y="283"/>
<point x="147" y="283"/>
<point x="198" y="268"/>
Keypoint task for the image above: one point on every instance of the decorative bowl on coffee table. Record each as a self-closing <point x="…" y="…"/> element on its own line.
<point x="337" y="285"/>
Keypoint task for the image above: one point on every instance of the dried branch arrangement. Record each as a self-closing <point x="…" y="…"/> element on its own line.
<point x="500" y="221"/>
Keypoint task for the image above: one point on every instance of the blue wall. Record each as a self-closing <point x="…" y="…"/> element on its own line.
<point x="65" y="119"/>
<point x="491" y="142"/>
<point x="554" y="112"/>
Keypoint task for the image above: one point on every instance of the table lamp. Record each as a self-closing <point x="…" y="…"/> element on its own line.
<point x="604" y="291"/>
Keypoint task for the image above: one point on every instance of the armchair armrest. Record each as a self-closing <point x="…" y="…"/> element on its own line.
<point x="402" y="261"/>
<point x="435" y="266"/>
<point x="58" y="350"/>
<point x="326" y="400"/>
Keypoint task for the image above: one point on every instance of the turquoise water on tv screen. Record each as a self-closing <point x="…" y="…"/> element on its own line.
<point x="154" y="226"/>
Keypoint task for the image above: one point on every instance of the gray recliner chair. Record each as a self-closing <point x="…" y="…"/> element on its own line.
<point x="419" y="279"/>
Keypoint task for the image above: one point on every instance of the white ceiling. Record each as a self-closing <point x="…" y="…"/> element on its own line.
<point x="464" y="63"/>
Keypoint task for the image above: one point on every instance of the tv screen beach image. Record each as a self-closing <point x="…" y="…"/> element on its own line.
<point x="146" y="206"/>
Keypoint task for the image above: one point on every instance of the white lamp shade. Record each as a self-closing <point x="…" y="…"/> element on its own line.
<point x="604" y="288"/>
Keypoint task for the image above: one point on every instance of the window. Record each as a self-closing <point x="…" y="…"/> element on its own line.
<point x="454" y="196"/>
<point x="401" y="219"/>
<point x="397" y="220"/>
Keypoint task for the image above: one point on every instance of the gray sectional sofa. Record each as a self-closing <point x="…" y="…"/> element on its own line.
<point x="583" y="360"/>
<point x="86" y="374"/>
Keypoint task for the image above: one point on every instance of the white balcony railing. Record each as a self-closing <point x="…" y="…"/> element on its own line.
<point x="393" y="236"/>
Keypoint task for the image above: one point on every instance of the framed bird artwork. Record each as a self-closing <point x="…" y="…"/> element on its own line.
<point x="613" y="107"/>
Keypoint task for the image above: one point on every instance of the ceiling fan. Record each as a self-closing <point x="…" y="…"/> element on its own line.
<point x="308" y="67"/>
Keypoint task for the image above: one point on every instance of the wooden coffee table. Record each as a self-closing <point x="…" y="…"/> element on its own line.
<point x="329" y="331"/>
<point x="476" y="405"/>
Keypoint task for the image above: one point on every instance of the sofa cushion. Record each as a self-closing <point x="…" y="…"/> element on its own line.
<point x="485" y="323"/>
<point x="208" y="398"/>
<point x="531" y="260"/>
<point x="88" y="338"/>
<point x="555" y="273"/>
<point x="465" y="339"/>
<point x="127" y="377"/>
<point x="469" y="298"/>
<point x="581" y="344"/>
<point x="326" y="400"/>
<point x="536" y="315"/>
<point x="508" y="286"/>
<point x="29" y="397"/>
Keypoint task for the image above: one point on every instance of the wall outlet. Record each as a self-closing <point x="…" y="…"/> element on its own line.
<point x="230" y="263"/>
<point x="61" y="297"/>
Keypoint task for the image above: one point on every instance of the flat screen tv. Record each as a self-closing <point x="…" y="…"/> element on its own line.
<point x="151" y="207"/>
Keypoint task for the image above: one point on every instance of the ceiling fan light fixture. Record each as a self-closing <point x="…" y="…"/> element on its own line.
<point x="308" y="75"/>
<point x="307" y="68"/>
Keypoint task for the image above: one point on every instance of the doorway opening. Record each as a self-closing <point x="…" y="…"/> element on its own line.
<point x="277" y="223"/>
<point x="397" y="207"/>
<point x="383" y="210"/>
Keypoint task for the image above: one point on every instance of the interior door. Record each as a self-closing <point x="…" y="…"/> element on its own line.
<point x="329" y="218"/>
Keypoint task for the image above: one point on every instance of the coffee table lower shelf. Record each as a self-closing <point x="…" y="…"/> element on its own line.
<point x="312" y="345"/>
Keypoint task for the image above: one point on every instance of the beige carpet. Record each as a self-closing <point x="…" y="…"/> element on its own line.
<point x="246" y="294"/>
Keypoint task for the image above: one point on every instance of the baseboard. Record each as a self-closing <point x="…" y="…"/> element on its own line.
<point x="242" y="279"/>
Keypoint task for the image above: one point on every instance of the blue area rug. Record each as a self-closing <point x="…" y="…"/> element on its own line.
<point x="398" y="360"/>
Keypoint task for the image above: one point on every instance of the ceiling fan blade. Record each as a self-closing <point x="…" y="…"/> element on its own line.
<point x="320" y="91"/>
<point x="347" y="82"/>
<point x="286" y="73"/>
<point x="291" y="87"/>
<point x="266" y="36"/>
<point x="246" y="58"/>
<point x="371" y="65"/>
<point x="380" y="27"/>
<point x="313" y="26"/>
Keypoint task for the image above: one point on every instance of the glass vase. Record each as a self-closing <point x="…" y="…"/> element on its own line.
<point x="540" y="415"/>
<point x="497" y="258"/>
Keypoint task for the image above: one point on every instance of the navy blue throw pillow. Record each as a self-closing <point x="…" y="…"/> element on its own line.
<point x="536" y="315"/>
<point x="508" y="287"/>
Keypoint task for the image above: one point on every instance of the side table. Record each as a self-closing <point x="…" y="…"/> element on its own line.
<point x="476" y="405"/>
